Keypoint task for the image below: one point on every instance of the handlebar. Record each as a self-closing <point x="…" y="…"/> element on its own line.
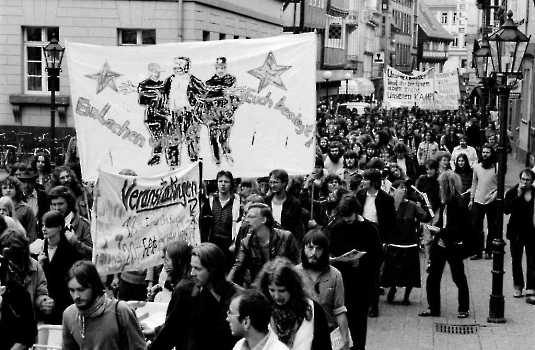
<point x="21" y="133"/>
<point x="40" y="138"/>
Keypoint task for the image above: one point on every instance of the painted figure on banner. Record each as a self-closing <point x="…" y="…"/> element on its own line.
<point x="218" y="110"/>
<point x="181" y="92"/>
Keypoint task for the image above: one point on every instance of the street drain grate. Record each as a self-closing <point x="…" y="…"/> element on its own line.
<point x="457" y="328"/>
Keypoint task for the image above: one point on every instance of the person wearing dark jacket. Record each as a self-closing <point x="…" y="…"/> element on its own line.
<point x="450" y="233"/>
<point x="355" y="232"/>
<point x="286" y="209"/>
<point x="201" y="310"/>
<point x="57" y="258"/>
<point x="519" y="202"/>
<point x="264" y="243"/>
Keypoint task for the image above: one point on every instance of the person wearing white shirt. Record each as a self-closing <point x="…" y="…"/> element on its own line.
<point x="463" y="148"/>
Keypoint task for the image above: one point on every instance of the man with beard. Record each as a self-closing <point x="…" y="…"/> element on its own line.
<point x="323" y="282"/>
<point x="405" y="161"/>
<point x="482" y="199"/>
<point x="95" y="321"/>
<point x="463" y="148"/>
<point x="354" y="232"/>
<point x="333" y="159"/>
<point x="350" y="172"/>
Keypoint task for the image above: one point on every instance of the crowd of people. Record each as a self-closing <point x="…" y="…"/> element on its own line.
<point x="285" y="262"/>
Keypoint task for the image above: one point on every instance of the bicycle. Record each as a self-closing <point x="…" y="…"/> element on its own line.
<point x="3" y="150"/>
<point x="16" y="154"/>
<point x="59" y="151"/>
<point x="41" y="148"/>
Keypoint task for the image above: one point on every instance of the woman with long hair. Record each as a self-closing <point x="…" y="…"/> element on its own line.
<point x="12" y="187"/>
<point x="465" y="171"/>
<point x="176" y="263"/>
<point x="298" y="321"/>
<point x="7" y="208"/>
<point x="42" y="167"/>
<point x="450" y="235"/>
<point x="199" y="317"/>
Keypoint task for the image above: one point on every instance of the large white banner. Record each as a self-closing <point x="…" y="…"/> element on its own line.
<point x="448" y="91"/>
<point x="426" y="90"/>
<point x="402" y="90"/>
<point x="135" y="217"/>
<point x="247" y="106"/>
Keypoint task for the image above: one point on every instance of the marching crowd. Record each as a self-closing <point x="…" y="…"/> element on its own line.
<point x="286" y="262"/>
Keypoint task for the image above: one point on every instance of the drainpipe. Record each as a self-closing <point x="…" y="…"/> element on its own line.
<point x="180" y="9"/>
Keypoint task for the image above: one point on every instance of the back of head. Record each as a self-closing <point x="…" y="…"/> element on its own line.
<point x="180" y="254"/>
<point x="53" y="219"/>
<point x="87" y="276"/>
<point x="376" y="163"/>
<point x="450" y="186"/>
<point x="255" y="305"/>
<point x="16" y="248"/>
<point x="349" y="205"/>
<point x="374" y="176"/>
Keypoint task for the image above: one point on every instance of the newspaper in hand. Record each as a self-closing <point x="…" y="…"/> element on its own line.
<point x="349" y="256"/>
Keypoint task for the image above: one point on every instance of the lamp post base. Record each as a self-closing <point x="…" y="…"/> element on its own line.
<point x="496" y="309"/>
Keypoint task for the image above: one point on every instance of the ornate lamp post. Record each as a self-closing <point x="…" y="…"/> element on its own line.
<point x="327" y="75"/>
<point x="507" y="48"/>
<point x="347" y="76"/>
<point x="54" y="54"/>
<point x="484" y="68"/>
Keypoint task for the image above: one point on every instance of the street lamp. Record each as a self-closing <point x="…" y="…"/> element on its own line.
<point x="53" y="54"/>
<point x="507" y="48"/>
<point x="484" y="68"/>
<point x="327" y="75"/>
<point x="347" y="76"/>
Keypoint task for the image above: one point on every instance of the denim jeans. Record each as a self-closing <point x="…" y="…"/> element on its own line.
<point x="478" y="215"/>
<point x="518" y="245"/>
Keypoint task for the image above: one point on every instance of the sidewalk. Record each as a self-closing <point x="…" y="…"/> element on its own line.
<point x="399" y="327"/>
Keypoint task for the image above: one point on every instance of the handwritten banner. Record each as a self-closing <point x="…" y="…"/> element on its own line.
<point x="247" y="106"/>
<point x="448" y="92"/>
<point x="402" y="90"/>
<point x="426" y="90"/>
<point x="136" y="217"/>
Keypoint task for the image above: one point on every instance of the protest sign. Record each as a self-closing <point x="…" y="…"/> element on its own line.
<point x="247" y="106"/>
<point x="135" y="217"/>
<point x="402" y="90"/>
<point x="448" y="92"/>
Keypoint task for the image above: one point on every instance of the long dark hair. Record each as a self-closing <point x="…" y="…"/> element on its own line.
<point x="466" y="169"/>
<point x="180" y="254"/>
<point x="213" y="259"/>
<point x="281" y="272"/>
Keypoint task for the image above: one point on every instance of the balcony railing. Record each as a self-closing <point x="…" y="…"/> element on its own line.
<point x="429" y="55"/>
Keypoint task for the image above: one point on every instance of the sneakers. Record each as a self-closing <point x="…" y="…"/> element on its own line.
<point x="518" y="293"/>
<point x="530" y="292"/>
<point x="429" y="313"/>
<point x="463" y="314"/>
<point x="530" y="300"/>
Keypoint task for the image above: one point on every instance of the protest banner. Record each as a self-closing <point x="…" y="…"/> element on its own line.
<point x="402" y="90"/>
<point x="247" y="106"/>
<point x="448" y="92"/>
<point x="135" y="217"/>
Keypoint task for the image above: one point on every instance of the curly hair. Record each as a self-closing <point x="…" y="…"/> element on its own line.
<point x="48" y="167"/>
<point x="75" y="186"/>
<point x="13" y="181"/>
<point x="281" y="272"/>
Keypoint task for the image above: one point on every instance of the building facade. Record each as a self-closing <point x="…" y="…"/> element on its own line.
<point x="28" y="25"/>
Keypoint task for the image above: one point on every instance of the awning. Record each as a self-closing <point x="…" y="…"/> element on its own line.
<point x="357" y="86"/>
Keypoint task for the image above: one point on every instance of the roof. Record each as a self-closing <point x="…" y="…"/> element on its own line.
<point x="430" y="25"/>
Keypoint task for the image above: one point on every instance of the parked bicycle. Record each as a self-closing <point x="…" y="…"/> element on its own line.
<point x="15" y="154"/>
<point x="41" y="146"/>
<point x="59" y="150"/>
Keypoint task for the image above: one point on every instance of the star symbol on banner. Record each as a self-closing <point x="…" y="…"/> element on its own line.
<point x="105" y="77"/>
<point x="269" y="73"/>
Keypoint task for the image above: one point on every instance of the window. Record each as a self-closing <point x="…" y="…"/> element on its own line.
<point x="35" y="38"/>
<point x="462" y="6"/>
<point x="222" y="36"/>
<point x="205" y="35"/>
<point x="444" y="19"/>
<point x="462" y="29"/>
<point x="137" y="36"/>
<point x="455" y="42"/>
<point x="454" y="19"/>
<point x="463" y="63"/>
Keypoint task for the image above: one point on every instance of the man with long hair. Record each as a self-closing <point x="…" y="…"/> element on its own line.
<point x="323" y="282"/>
<point x="483" y="199"/>
<point x="450" y="233"/>
<point x="95" y="321"/>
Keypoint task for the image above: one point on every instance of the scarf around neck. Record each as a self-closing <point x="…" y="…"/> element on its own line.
<point x="95" y="310"/>
<point x="287" y="322"/>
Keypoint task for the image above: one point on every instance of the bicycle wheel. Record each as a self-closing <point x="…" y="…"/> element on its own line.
<point x="10" y="159"/>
